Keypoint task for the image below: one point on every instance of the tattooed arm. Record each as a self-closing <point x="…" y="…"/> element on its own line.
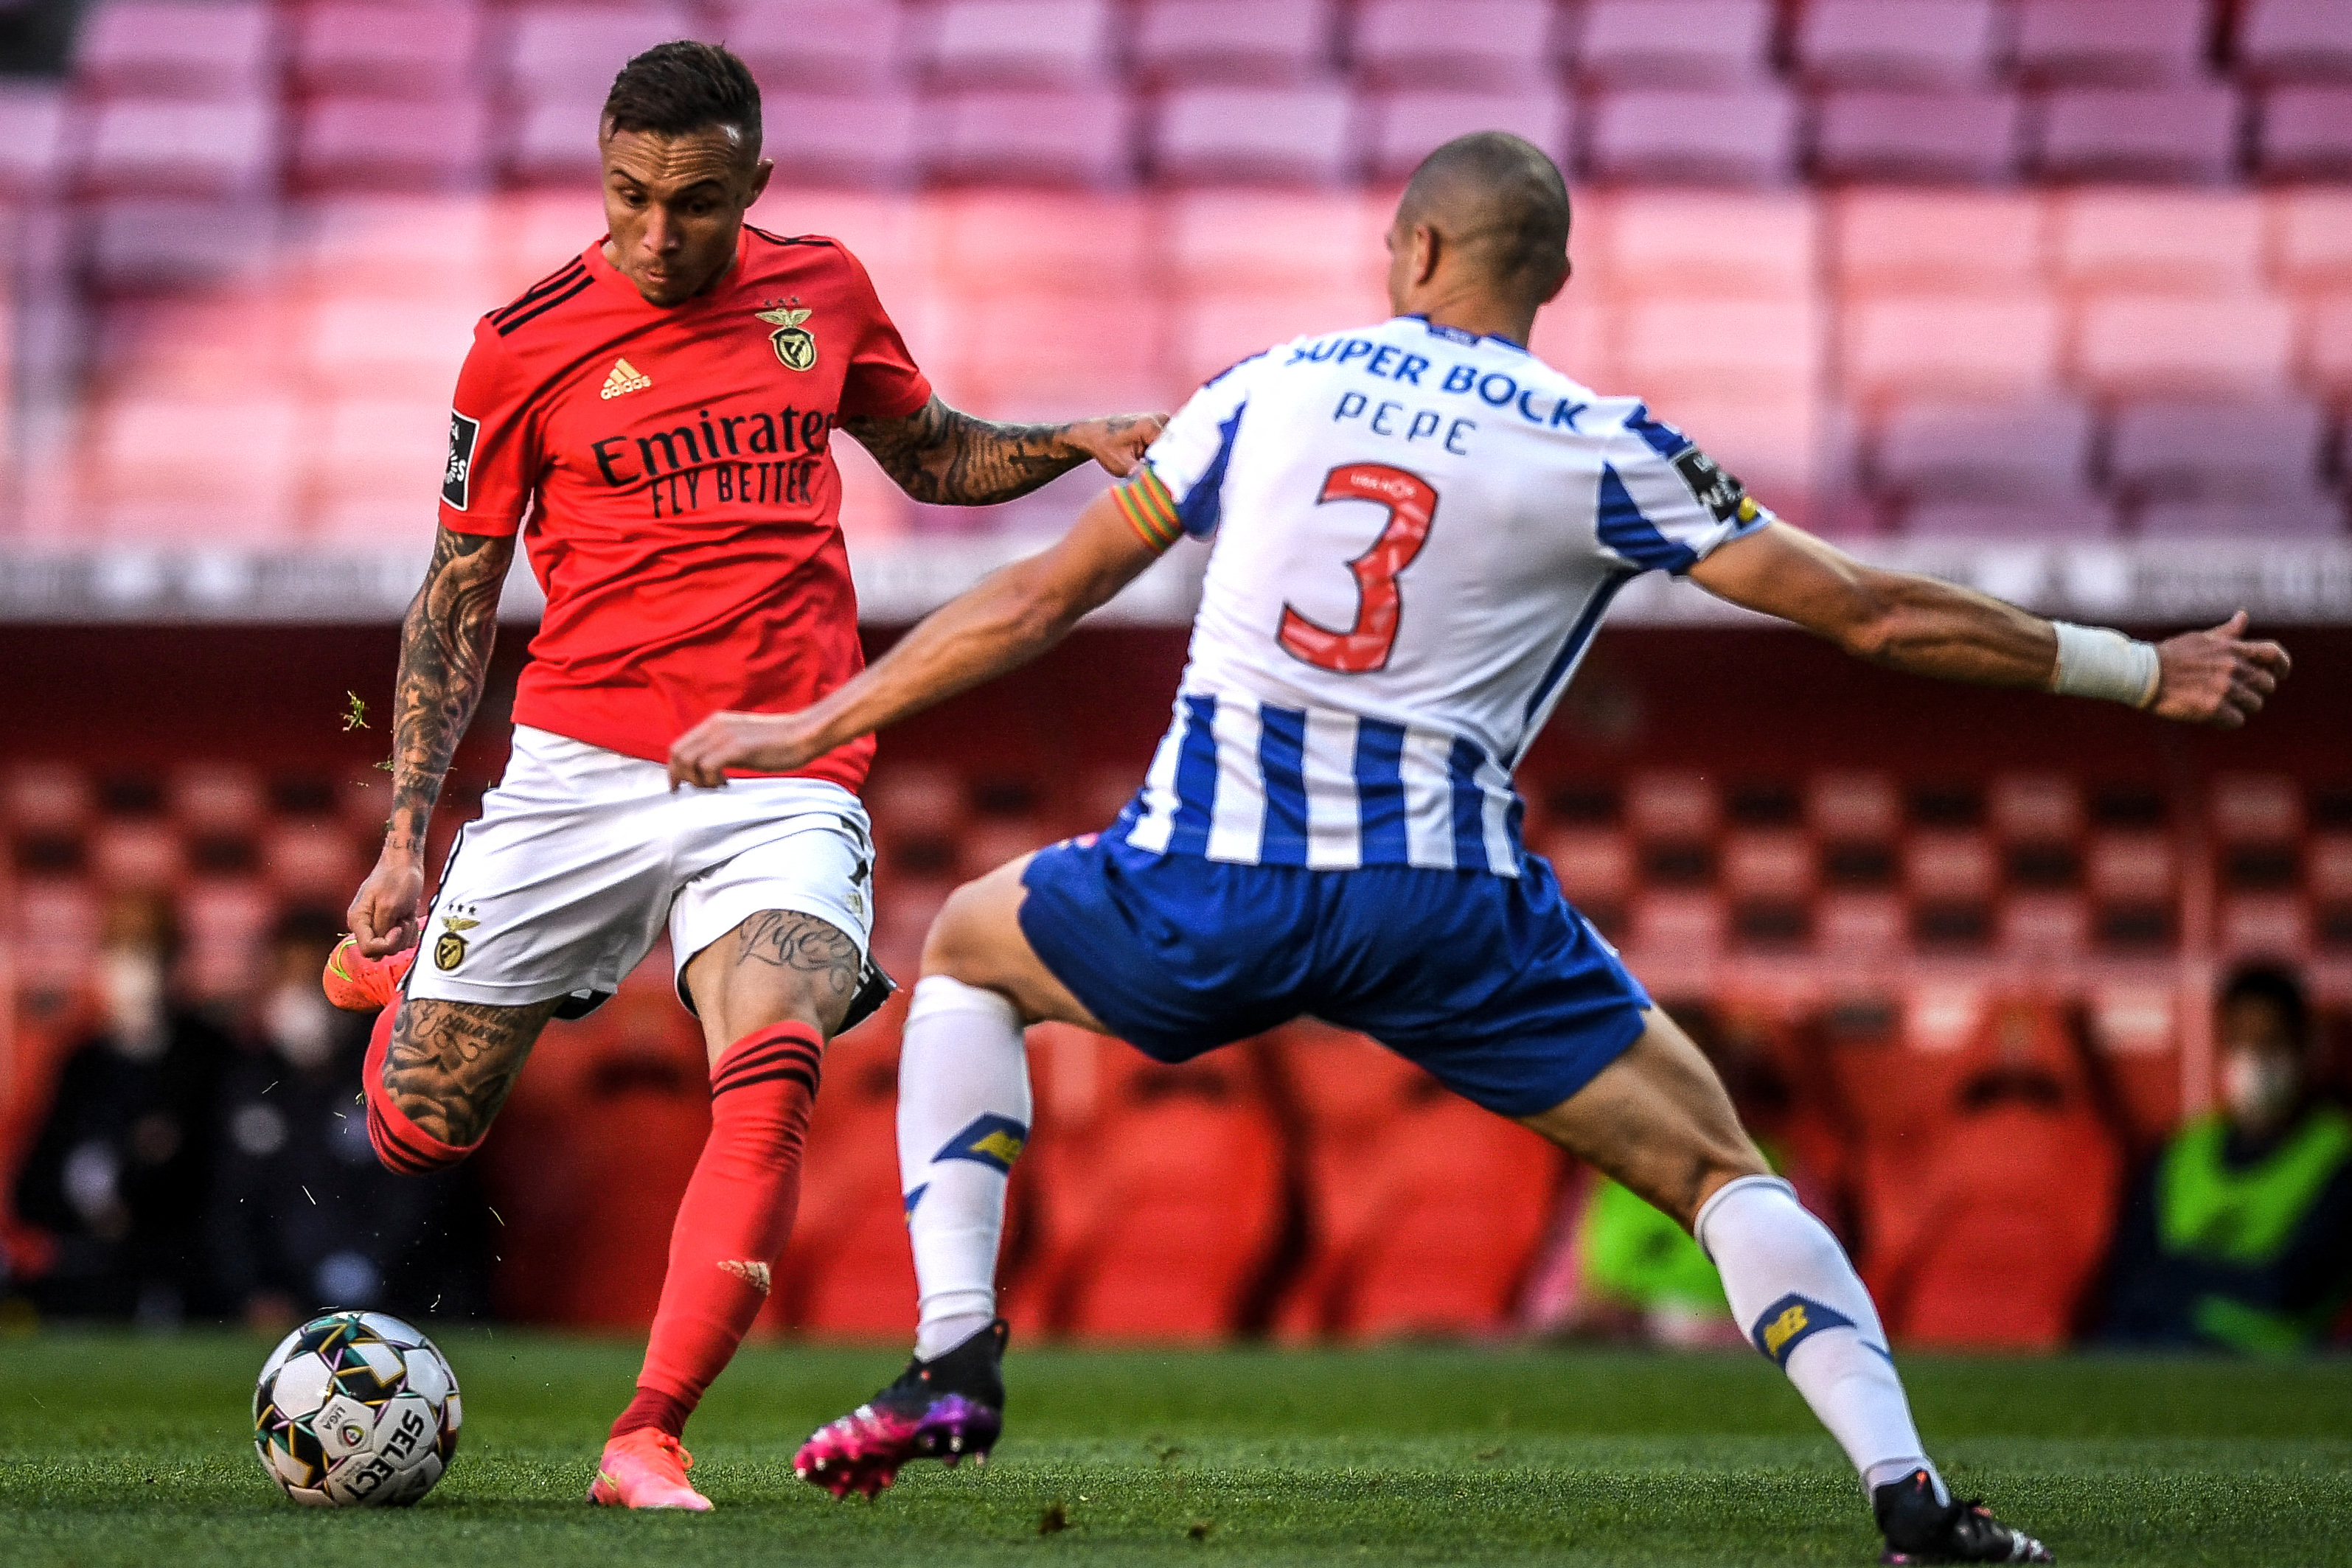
<point x="445" y="656"/>
<point x="951" y="459"/>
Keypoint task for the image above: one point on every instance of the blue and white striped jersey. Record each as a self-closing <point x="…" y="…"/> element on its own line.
<point x="1416" y="533"/>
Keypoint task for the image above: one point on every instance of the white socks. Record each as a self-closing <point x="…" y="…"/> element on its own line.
<point x="1804" y="1307"/>
<point x="963" y="1117"/>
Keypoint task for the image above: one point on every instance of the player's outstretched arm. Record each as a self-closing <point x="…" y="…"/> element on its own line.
<point x="1000" y="623"/>
<point x="949" y="458"/>
<point x="1916" y="623"/>
<point x="444" y="656"/>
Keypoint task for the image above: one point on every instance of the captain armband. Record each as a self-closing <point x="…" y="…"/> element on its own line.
<point x="1150" y="509"/>
<point x="2101" y="661"/>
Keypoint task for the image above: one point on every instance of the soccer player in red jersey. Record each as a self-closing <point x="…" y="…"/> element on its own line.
<point x="655" y="417"/>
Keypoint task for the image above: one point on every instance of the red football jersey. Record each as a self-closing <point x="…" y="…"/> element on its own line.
<point x="671" y="471"/>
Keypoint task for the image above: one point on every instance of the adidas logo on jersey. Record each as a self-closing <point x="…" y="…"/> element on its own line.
<point x="625" y="379"/>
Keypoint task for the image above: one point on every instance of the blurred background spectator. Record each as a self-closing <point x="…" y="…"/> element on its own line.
<point x="2239" y="1235"/>
<point x="118" y="1173"/>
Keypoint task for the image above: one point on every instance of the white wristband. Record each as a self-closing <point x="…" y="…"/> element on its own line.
<point x="2101" y="661"/>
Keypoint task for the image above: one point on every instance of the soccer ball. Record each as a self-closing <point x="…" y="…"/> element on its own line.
<point x="356" y="1410"/>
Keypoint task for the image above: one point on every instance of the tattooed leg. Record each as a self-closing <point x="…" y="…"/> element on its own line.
<point x="450" y="1064"/>
<point x="776" y="967"/>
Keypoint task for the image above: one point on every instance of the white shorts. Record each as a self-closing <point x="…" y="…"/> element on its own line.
<point x="580" y="855"/>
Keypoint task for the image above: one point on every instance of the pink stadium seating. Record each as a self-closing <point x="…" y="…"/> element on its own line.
<point x="2326" y="347"/>
<point x="2306" y="132"/>
<point x="1720" y="348"/>
<point x="220" y="50"/>
<point x="373" y="143"/>
<point x="1939" y="241"/>
<point x="2311" y="516"/>
<point x="1292" y="135"/>
<point x="1681" y="242"/>
<point x="389" y="346"/>
<point x="135" y="856"/>
<point x="1233" y="41"/>
<point x="156" y="467"/>
<point x="1277" y="243"/>
<point x="1406" y="126"/>
<point x="1681" y="42"/>
<point x="2184" y="132"/>
<point x="1469" y="43"/>
<point x="2085" y="518"/>
<point x="386" y="50"/>
<point x="2294" y="39"/>
<point x="371" y="477"/>
<point x="554" y="143"/>
<point x="2010" y="451"/>
<point x="1951" y="345"/>
<point x="46" y="797"/>
<point x="32" y="141"/>
<point x="2164" y="241"/>
<point x="216" y="797"/>
<point x="1030" y="135"/>
<point x="2112" y="40"/>
<point x="1934" y="43"/>
<point x="867" y="140"/>
<point x="1040" y="243"/>
<point x="2202" y="449"/>
<point x="1667" y="805"/>
<point x="2154" y="345"/>
<point x="153" y="146"/>
<point x="2255" y="808"/>
<point x="1871" y="133"/>
<point x="804" y="46"/>
<point x="1729" y="136"/>
<point x="571" y="53"/>
<point x="1064" y="43"/>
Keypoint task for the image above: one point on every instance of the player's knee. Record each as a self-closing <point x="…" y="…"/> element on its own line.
<point x="969" y="928"/>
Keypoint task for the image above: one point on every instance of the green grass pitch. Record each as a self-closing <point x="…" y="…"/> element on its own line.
<point x="136" y="1450"/>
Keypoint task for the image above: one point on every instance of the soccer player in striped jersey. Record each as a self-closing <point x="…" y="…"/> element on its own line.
<point x="1416" y="529"/>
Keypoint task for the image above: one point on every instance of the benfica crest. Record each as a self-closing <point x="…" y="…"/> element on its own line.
<point x="795" y="344"/>
<point x="449" y="947"/>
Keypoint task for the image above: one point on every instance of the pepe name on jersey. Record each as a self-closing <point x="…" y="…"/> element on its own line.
<point x="1429" y="400"/>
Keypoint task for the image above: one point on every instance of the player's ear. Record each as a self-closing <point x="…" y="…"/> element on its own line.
<point x="761" y="172"/>
<point x="1428" y="245"/>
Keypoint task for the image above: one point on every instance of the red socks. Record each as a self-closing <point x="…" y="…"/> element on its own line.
<point x="404" y="1147"/>
<point x="733" y="1222"/>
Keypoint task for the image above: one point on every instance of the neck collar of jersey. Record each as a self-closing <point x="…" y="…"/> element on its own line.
<point x="1456" y="335"/>
<point x="606" y="272"/>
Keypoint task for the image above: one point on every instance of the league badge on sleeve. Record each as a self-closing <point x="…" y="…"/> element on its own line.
<point x="1723" y="496"/>
<point x="795" y="344"/>
<point x="458" y="477"/>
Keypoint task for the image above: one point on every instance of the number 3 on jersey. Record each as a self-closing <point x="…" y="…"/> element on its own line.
<point x="1365" y="645"/>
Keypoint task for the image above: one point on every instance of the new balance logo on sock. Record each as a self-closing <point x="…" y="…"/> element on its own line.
<point x="1789" y="1322"/>
<point x="991" y="1140"/>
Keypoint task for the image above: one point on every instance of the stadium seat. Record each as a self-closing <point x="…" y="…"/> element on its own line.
<point x="2086" y="518"/>
<point x="1853" y="808"/>
<point x="552" y="141"/>
<point x="2186" y="240"/>
<point x="312" y="863"/>
<point x="868" y="139"/>
<point x="1030" y="136"/>
<point x="1505" y="43"/>
<point x="2266" y="926"/>
<point x="2133" y="1021"/>
<point x="1942" y="242"/>
<point x="2306" y="133"/>
<point x="1720" y="347"/>
<point x="1232" y="42"/>
<point x="225" y="923"/>
<point x="1407" y="126"/>
<point x="2035" y="807"/>
<point x="157" y="471"/>
<point x="1737" y="136"/>
<point x="1916" y="43"/>
<point x="2314" y="516"/>
<point x="798" y="47"/>
<point x="1944" y="346"/>
<point x="221" y="51"/>
<point x="2185" y="132"/>
<point x="371" y="143"/>
<point x="1300" y="135"/>
<point x="1211" y="332"/>
<point x="1730" y="244"/>
<point x="1876" y="133"/>
<point x="156" y="146"/>
<point x="1952" y="450"/>
<point x="1672" y="805"/>
<point x="216" y="798"/>
<point x="372" y="470"/>
<point x="2154" y="345"/>
<point x="390" y="348"/>
<point x="137" y="853"/>
<point x="1056" y="43"/>
<point x="2325" y="350"/>
<point x="2255" y="808"/>
<point x="54" y="932"/>
<point x="847" y="1270"/>
<point x="46" y="798"/>
<point x="571" y="53"/>
<point x="410" y="50"/>
<point x="2111" y="40"/>
<point x="32" y="141"/>
<point x="2294" y="39"/>
<point x="2217" y="450"/>
<point x="1243" y="242"/>
<point x="1684" y="43"/>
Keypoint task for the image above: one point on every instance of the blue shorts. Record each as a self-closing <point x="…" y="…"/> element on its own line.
<point x="1493" y="984"/>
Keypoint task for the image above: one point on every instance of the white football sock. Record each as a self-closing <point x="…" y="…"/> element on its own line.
<point x="1803" y="1306"/>
<point x="963" y="1118"/>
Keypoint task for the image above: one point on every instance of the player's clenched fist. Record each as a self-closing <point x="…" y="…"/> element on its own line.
<point x="2218" y="678"/>
<point x="383" y="916"/>
<point x="752" y="742"/>
<point x="1119" y="442"/>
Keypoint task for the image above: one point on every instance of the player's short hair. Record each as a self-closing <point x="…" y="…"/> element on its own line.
<point x="2277" y="986"/>
<point x="1510" y="197"/>
<point x="679" y="89"/>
